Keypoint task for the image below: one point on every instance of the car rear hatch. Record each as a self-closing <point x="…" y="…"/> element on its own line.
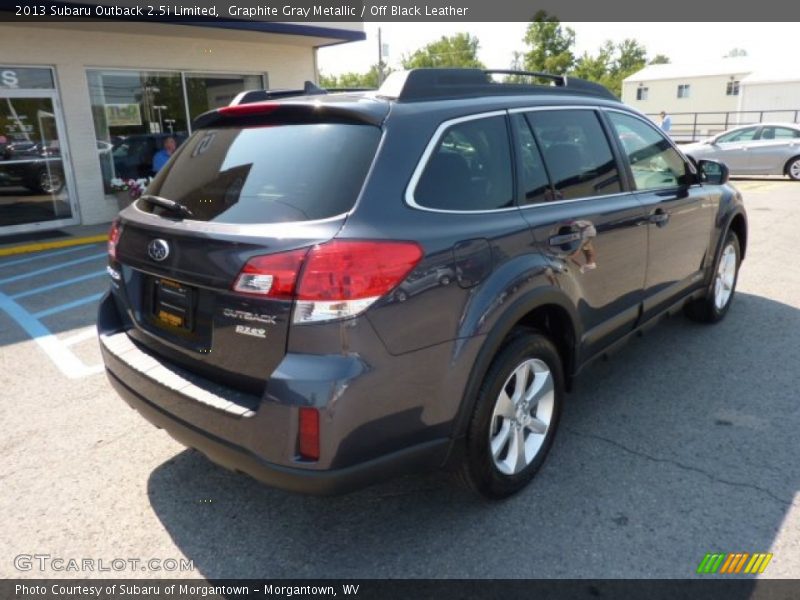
<point x="250" y="185"/>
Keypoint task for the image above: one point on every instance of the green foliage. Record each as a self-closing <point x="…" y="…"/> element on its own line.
<point x="549" y="46"/>
<point x="459" y="50"/>
<point x="352" y="80"/>
<point x="551" y="49"/>
<point x="660" y="59"/>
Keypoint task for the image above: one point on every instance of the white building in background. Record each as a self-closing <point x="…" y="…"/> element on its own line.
<point x="85" y="105"/>
<point x="729" y="91"/>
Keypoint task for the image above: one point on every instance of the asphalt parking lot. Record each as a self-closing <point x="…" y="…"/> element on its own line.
<point x="683" y="443"/>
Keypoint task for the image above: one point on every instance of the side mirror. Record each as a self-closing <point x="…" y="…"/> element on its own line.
<point x="713" y="172"/>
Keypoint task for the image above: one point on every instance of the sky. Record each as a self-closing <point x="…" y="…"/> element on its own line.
<point x="765" y="43"/>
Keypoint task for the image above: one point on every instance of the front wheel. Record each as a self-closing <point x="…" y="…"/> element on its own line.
<point x="715" y="304"/>
<point x="515" y="417"/>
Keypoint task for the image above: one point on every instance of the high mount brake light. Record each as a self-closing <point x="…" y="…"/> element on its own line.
<point x="245" y="110"/>
<point x="334" y="280"/>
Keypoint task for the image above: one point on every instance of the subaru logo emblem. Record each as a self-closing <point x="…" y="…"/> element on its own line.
<point x="158" y="250"/>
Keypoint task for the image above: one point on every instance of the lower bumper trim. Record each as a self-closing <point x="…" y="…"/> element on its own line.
<point x="414" y="459"/>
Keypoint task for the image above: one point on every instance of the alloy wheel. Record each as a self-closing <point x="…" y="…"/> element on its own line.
<point x="521" y="417"/>
<point x="725" y="277"/>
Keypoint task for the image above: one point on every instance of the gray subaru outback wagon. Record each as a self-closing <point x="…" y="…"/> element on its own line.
<point x="325" y="289"/>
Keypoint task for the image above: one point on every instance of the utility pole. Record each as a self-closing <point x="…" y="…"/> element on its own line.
<point x="380" y="58"/>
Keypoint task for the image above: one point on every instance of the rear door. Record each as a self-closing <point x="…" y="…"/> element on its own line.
<point x="583" y="219"/>
<point x="679" y="211"/>
<point x="250" y="192"/>
<point x="774" y="146"/>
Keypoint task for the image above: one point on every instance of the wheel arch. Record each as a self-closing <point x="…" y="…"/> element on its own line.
<point x="789" y="162"/>
<point x="546" y="310"/>
<point x="738" y="225"/>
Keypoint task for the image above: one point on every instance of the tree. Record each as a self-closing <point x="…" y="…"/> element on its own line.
<point x="459" y="50"/>
<point x="631" y="57"/>
<point x="549" y="45"/>
<point x="351" y="80"/>
<point x="595" y="68"/>
<point x="736" y="53"/>
<point x="660" y="59"/>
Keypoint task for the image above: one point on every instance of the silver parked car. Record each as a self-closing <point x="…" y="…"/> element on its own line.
<point x="762" y="149"/>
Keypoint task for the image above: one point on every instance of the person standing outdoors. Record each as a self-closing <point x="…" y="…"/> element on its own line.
<point x="666" y="122"/>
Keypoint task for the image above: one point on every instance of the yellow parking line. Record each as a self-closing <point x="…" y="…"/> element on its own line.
<point x="37" y="247"/>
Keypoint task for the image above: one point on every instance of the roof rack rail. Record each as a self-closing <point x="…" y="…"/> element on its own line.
<point x="429" y="84"/>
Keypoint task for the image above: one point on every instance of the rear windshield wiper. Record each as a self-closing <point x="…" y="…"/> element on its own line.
<point x="176" y="207"/>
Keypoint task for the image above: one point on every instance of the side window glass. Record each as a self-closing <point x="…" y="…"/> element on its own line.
<point x="470" y="168"/>
<point x="741" y="135"/>
<point x="576" y="152"/>
<point x="779" y="133"/>
<point x="535" y="183"/>
<point x="654" y="162"/>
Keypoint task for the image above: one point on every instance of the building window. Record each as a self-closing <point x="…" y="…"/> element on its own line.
<point x="137" y="112"/>
<point x="206" y="91"/>
<point x="732" y="88"/>
<point x="641" y="93"/>
<point x="683" y="90"/>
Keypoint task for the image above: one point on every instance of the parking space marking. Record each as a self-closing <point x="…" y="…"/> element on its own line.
<point x="22" y="261"/>
<point x="58" y="351"/>
<point x="67" y="305"/>
<point x="51" y="268"/>
<point x="58" y="284"/>
<point x="69" y="364"/>
<point x="81" y="336"/>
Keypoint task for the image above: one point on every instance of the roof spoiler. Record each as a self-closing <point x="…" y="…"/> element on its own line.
<point x="309" y="89"/>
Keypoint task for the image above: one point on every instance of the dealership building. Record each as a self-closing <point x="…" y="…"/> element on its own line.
<point x="84" y="106"/>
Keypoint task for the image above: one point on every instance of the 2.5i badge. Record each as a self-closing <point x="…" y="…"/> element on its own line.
<point x="254" y="331"/>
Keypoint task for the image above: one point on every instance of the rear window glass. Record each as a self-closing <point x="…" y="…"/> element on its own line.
<point x="269" y="174"/>
<point x="576" y="153"/>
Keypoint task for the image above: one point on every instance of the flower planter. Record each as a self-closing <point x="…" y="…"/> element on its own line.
<point x="123" y="199"/>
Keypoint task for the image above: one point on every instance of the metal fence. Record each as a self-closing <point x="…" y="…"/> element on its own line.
<point x="694" y="126"/>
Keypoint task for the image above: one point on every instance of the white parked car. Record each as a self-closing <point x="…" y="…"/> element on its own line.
<point x="762" y="149"/>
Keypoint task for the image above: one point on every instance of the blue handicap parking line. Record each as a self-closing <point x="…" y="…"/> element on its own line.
<point x="68" y="305"/>
<point x="69" y="364"/>
<point x="58" y="284"/>
<point x="51" y="268"/>
<point x="22" y="261"/>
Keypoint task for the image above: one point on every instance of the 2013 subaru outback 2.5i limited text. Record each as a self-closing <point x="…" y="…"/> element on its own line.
<point x="324" y="289"/>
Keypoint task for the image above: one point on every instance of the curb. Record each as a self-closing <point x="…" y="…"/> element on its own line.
<point x="38" y="246"/>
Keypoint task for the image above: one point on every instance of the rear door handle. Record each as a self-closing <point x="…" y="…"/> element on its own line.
<point x="565" y="238"/>
<point x="659" y="217"/>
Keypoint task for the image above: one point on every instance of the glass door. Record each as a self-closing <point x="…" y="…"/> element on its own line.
<point x="34" y="190"/>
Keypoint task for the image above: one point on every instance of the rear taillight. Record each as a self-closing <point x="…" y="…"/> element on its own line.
<point x="113" y="238"/>
<point x="273" y="275"/>
<point x="308" y="434"/>
<point x="335" y="280"/>
<point x="343" y="278"/>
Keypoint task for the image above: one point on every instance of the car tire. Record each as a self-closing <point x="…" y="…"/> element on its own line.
<point x="47" y="182"/>
<point x="714" y="305"/>
<point x="515" y="417"/>
<point x="793" y="168"/>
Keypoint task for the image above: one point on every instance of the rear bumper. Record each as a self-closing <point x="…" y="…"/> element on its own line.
<point x="257" y="435"/>
<point x="292" y="479"/>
